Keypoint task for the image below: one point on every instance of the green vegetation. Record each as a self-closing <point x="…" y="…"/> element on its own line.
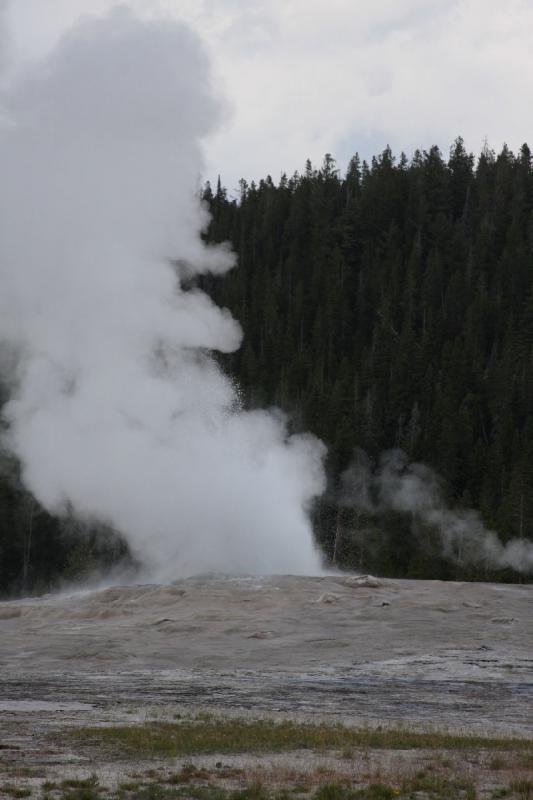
<point x="446" y="766"/>
<point x="438" y="789"/>
<point x="416" y="788"/>
<point x="15" y="791"/>
<point x="523" y="788"/>
<point x="80" y="783"/>
<point x="161" y="739"/>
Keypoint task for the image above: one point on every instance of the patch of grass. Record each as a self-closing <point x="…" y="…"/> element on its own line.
<point x="15" y="791"/>
<point x="377" y="791"/>
<point x="209" y="792"/>
<point x="436" y="787"/>
<point x="332" y="791"/>
<point x="187" y="774"/>
<point x="168" y="739"/>
<point x="429" y="788"/>
<point x="19" y="771"/>
<point x="83" y="793"/>
<point x="227" y="771"/>
<point x="81" y="789"/>
<point x="523" y="788"/>
<point x="80" y="783"/>
<point x="424" y="785"/>
<point x="526" y="760"/>
<point x="154" y="792"/>
<point x="255" y="791"/>
<point x="337" y="791"/>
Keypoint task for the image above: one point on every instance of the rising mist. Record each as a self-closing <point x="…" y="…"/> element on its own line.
<point x="396" y="484"/>
<point x="118" y="412"/>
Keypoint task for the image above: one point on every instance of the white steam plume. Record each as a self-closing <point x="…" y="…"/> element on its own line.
<point x="118" y="412"/>
<point x="397" y="485"/>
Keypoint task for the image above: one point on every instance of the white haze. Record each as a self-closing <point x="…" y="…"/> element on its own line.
<point x="398" y="485"/>
<point x="118" y="411"/>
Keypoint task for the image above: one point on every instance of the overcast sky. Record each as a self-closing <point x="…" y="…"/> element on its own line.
<point x="306" y="77"/>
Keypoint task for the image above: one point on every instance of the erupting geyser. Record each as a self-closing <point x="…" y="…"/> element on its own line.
<point x="117" y="410"/>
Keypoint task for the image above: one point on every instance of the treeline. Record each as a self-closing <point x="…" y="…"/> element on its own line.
<point x="393" y="307"/>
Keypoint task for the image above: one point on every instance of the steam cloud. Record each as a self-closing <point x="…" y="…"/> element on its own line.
<point x="397" y="485"/>
<point x="117" y="409"/>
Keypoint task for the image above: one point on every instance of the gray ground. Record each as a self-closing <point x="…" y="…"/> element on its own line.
<point x="450" y="655"/>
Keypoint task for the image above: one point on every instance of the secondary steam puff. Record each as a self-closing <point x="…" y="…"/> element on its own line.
<point x="398" y="485"/>
<point x="117" y="411"/>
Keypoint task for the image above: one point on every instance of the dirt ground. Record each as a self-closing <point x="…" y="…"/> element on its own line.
<point x="426" y="654"/>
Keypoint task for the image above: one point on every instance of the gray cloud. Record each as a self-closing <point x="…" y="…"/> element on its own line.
<point x="309" y="76"/>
